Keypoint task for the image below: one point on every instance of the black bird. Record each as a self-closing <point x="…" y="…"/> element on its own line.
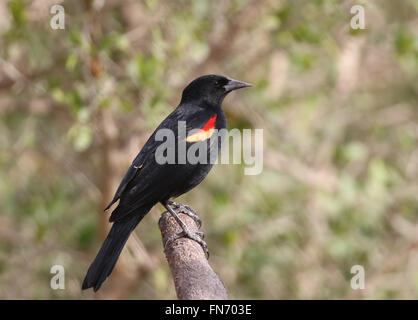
<point x="148" y="182"/>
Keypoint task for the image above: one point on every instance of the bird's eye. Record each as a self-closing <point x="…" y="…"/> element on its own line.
<point x="216" y="83"/>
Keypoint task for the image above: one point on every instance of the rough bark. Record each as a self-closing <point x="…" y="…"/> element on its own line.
<point x="193" y="277"/>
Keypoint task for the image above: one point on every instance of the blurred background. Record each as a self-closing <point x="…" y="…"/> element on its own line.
<point x="338" y="107"/>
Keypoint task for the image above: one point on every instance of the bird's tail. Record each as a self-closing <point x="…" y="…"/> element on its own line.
<point x="105" y="260"/>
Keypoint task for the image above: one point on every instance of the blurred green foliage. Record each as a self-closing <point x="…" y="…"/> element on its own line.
<point x="339" y="112"/>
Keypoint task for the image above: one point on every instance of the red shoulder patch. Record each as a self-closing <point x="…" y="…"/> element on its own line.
<point x="204" y="133"/>
<point x="210" y="124"/>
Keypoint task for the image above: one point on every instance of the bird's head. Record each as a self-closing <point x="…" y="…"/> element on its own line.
<point x="211" y="89"/>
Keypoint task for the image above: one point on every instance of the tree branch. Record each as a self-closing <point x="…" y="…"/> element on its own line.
<point x="193" y="277"/>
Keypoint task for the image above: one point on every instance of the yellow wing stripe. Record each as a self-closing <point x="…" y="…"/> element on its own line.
<point x="201" y="135"/>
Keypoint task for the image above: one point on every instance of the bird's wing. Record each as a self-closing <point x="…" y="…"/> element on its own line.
<point x="130" y="174"/>
<point x="129" y="185"/>
<point x="138" y="162"/>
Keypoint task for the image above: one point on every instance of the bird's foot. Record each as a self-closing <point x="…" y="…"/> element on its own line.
<point x="197" y="236"/>
<point x="184" y="208"/>
<point x="176" y="207"/>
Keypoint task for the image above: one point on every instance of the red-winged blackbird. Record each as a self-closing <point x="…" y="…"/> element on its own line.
<point x="148" y="182"/>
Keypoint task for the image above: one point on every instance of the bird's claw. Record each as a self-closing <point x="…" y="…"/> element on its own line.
<point x="197" y="236"/>
<point x="184" y="208"/>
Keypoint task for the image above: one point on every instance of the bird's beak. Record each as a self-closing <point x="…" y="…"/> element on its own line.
<point x="235" y="84"/>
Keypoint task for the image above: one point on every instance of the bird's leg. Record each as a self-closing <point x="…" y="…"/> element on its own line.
<point x="184" y="208"/>
<point x="186" y="233"/>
